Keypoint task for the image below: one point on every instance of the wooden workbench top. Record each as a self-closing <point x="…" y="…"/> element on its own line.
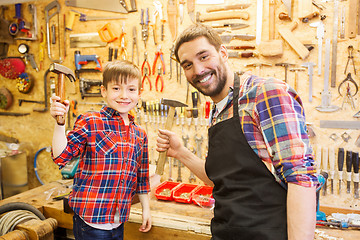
<point x="176" y="219"/>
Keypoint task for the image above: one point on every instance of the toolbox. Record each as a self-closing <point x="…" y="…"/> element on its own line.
<point x="167" y="185"/>
<point x="183" y="192"/>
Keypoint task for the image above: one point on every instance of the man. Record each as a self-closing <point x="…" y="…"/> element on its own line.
<point x="259" y="159"/>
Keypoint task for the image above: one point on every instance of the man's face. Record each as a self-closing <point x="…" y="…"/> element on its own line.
<point x="122" y="96"/>
<point x="204" y="66"/>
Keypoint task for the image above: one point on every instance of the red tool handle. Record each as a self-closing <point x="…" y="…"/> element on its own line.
<point x="207" y="109"/>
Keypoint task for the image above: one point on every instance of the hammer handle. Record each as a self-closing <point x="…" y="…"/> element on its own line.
<point x="60" y="91"/>
<point x="162" y="155"/>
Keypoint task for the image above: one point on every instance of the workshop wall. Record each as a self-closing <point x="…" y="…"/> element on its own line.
<point x="35" y="130"/>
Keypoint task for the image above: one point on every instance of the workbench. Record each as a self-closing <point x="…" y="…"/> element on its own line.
<point x="171" y="219"/>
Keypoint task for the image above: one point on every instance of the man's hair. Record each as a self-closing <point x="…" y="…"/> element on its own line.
<point x="120" y="71"/>
<point x="195" y="31"/>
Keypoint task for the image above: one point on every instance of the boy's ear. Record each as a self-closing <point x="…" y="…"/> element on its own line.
<point x="103" y="91"/>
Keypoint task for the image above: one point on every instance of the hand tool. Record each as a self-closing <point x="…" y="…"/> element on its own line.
<point x="104" y="5"/>
<point x="133" y="6"/>
<point x="320" y="32"/>
<point x="110" y="55"/>
<point x="181" y="10"/>
<point x="355" y="163"/>
<point x="123" y="52"/>
<point x="179" y="179"/>
<point x="29" y="101"/>
<point x="272" y="47"/>
<point x="258" y="67"/>
<point x="135" y="46"/>
<point x="228" y="7"/>
<point x="227" y="38"/>
<point x="157" y="12"/>
<point x="108" y="33"/>
<point x="334" y="44"/>
<point x="326" y="94"/>
<point x="342" y="24"/>
<point x="146" y="117"/>
<point x="351" y="21"/>
<point x="310" y="67"/>
<point x="62" y="71"/>
<point x="53" y="5"/>
<point x="347" y="94"/>
<point x="332" y="168"/>
<point x="350" y="58"/>
<point x="318" y="158"/>
<point x="306" y="11"/>
<point x="221" y="16"/>
<point x="191" y="9"/>
<point x="172" y="18"/>
<point x="81" y="60"/>
<point x="286" y="66"/>
<point x="233" y="26"/>
<point x="324" y="161"/>
<point x="146" y="80"/>
<point x="296" y="79"/>
<point x="259" y="20"/>
<point x="341" y="157"/>
<point x="144" y="25"/>
<point x="86" y="87"/>
<point x="244" y="54"/>
<point x="339" y="124"/>
<point x="289" y="37"/>
<point x="348" y="170"/>
<point x="69" y="23"/>
<point x="85" y="18"/>
<point x="241" y="47"/>
<point x="145" y="65"/>
<point x="169" y="121"/>
<point x="195" y="110"/>
<point x="158" y="54"/>
<point x="31" y="35"/>
<point x="160" y="79"/>
<point x="82" y="40"/>
<point x="288" y="6"/>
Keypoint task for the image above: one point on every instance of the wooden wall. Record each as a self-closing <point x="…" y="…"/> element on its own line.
<point x="35" y="129"/>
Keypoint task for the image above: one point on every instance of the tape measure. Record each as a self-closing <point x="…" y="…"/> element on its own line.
<point x="6" y="98"/>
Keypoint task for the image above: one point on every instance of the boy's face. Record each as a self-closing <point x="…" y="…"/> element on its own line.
<point x="122" y="96"/>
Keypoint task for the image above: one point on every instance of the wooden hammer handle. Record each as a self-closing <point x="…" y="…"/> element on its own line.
<point x="162" y="155"/>
<point x="60" y="91"/>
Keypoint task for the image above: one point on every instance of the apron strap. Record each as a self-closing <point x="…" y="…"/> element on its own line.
<point x="236" y="96"/>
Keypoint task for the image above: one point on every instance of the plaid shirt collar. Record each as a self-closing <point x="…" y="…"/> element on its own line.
<point x="110" y="112"/>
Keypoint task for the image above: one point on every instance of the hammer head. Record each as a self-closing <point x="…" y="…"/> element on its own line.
<point x="173" y="103"/>
<point x="61" y="69"/>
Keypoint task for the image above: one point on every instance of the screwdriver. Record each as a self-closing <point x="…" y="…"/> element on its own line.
<point x="340" y="165"/>
<point x="325" y="159"/>
<point x="348" y="170"/>
<point x="332" y="168"/>
<point x="355" y="162"/>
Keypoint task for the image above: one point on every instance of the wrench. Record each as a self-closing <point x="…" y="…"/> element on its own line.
<point x="198" y="141"/>
<point x="170" y="170"/>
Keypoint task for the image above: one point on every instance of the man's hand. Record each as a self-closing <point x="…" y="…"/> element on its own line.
<point x="169" y="141"/>
<point x="57" y="108"/>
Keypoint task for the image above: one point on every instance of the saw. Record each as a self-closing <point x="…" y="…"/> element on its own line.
<point x="104" y="5"/>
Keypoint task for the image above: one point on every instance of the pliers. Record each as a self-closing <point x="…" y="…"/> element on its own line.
<point x="123" y="52"/>
<point x="145" y="64"/>
<point x="159" y="54"/>
<point x="146" y="77"/>
<point x="159" y="77"/>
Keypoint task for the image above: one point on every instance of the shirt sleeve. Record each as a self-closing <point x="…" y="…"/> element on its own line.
<point x="281" y="116"/>
<point x="143" y="184"/>
<point x="76" y="141"/>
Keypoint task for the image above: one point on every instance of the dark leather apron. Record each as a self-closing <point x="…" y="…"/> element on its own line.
<point x="249" y="203"/>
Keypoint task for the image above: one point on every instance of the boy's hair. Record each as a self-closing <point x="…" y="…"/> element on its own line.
<point x="195" y="31"/>
<point x="120" y="71"/>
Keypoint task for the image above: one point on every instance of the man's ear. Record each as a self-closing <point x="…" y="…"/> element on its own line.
<point x="103" y="91"/>
<point x="223" y="52"/>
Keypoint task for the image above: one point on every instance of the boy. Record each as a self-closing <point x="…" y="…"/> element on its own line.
<point x="113" y="154"/>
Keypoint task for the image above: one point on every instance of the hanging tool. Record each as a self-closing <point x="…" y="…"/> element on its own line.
<point x="221" y="16"/>
<point x="157" y="12"/>
<point x="318" y="158"/>
<point x="326" y="94"/>
<point x="244" y="54"/>
<point x="146" y="65"/>
<point x="259" y="20"/>
<point x="146" y="79"/>
<point x="351" y="21"/>
<point x="348" y="170"/>
<point x="347" y="94"/>
<point x="332" y="168"/>
<point x="350" y="58"/>
<point x="320" y="32"/>
<point x="31" y="35"/>
<point x="306" y="11"/>
<point x="103" y="5"/>
<point x="258" y="67"/>
<point x="53" y="5"/>
<point x="334" y="43"/>
<point x="158" y="54"/>
<point x="168" y="125"/>
<point x="133" y="6"/>
<point x="172" y="18"/>
<point x="160" y="79"/>
<point x="286" y="66"/>
<point x="233" y="26"/>
<point x="195" y="110"/>
<point x="355" y="163"/>
<point x="228" y="7"/>
<point x="123" y="52"/>
<point x="135" y="46"/>
<point x="181" y="10"/>
<point x="342" y="24"/>
<point x="191" y="9"/>
<point x="288" y="6"/>
<point x="310" y="67"/>
<point x="144" y="25"/>
<point x="227" y="38"/>
<point x="62" y="71"/>
<point x="324" y="161"/>
<point x="341" y="157"/>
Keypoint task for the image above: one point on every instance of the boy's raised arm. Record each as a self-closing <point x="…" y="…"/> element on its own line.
<point x="59" y="141"/>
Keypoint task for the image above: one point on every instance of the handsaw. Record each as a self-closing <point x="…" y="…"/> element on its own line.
<point x="104" y="5"/>
<point x="172" y="18"/>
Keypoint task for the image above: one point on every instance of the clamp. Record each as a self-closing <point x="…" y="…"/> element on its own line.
<point x="146" y="77"/>
<point x="123" y="52"/>
<point x="159" y="77"/>
<point x="159" y="54"/>
<point x="145" y="64"/>
<point x="350" y="58"/>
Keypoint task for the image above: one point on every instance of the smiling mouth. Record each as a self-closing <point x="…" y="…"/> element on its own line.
<point x="204" y="78"/>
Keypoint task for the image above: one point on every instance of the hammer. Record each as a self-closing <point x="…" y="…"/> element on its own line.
<point x="62" y="71"/>
<point x="296" y="70"/>
<point x="168" y="124"/>
<point x="286" y="66"/>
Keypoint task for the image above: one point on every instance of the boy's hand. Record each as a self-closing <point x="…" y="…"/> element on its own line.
<point x="57" y="108"/>
<point x="146" y="224"/>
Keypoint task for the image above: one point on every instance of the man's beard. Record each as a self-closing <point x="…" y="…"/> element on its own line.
<point x="221" y="81"/>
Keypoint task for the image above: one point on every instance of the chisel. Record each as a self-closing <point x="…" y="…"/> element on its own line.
<point x="355" y="163"/>
<point x="325" y="159"/>
<point x="340" y="166"/>
<point x="348" y="170"/>
<point x="332" y="168"/>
